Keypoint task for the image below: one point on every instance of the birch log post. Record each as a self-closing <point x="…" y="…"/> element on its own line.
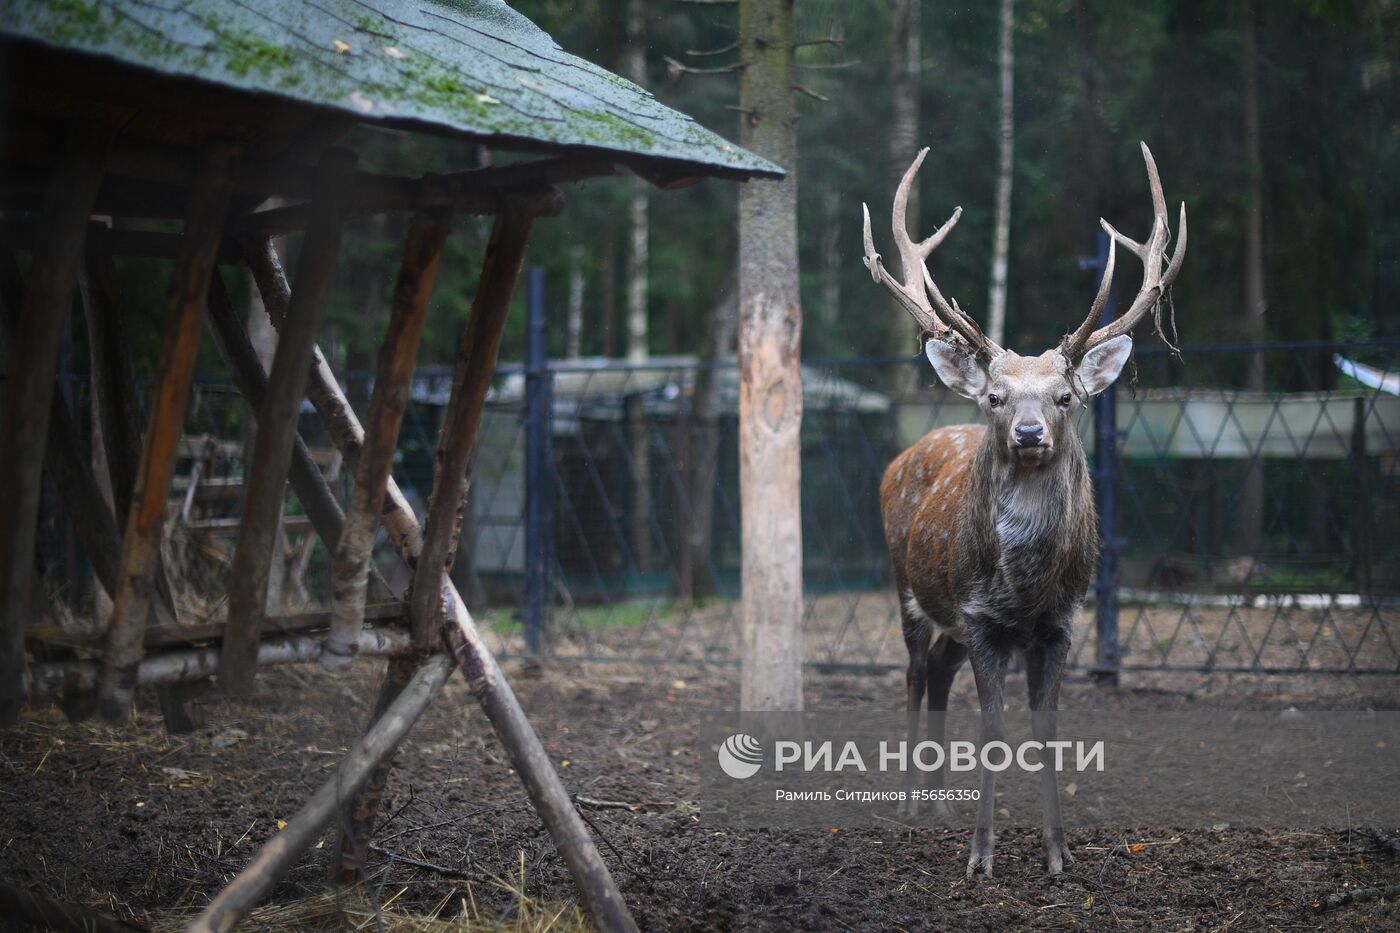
<point x="502" y="708"/>
<point x="265" y="487"/>
<point x="140" y="562"/>
<point x="278" y="854"/>
<point x="24" y="424"/>
<point x="427" y="233"/>
<point x="476" y="362"/>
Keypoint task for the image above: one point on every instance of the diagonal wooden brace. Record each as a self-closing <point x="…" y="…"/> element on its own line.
<point x="596" y="887"/>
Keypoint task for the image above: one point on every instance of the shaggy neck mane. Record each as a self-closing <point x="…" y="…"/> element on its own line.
<point x="1023" y="515"/>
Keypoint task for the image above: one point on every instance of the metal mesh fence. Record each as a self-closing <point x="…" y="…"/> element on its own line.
<point x="1254" y="525"/>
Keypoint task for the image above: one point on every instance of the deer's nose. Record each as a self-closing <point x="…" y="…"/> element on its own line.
<point x="1029" y="435"/>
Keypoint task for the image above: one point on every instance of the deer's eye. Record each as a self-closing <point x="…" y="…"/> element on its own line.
<point x="1065" y="400"/>
<point x="993" y="400"/>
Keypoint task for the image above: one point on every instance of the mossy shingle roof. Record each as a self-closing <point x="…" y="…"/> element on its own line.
<point x="474" y="67"/>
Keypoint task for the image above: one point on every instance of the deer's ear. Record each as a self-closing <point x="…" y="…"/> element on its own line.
<point x="958" y="370"/>
<point x="1102" y="364"/>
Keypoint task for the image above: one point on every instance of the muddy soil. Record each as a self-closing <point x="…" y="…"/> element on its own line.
<point x="145" y="825"/>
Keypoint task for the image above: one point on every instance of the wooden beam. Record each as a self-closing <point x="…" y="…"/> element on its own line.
<point x="160" y="637"/>
<point x="277" y="424"/>
<point x="594" y="881"/>
<point x="141" y="547"/>
<point x="476" y="363"/>
<point x="278" y="854"/>
<point x="24" y="427"/>
<point x="397" y="357"/>
<point x="54" y="679"/>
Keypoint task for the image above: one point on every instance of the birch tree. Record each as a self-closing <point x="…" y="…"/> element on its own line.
<point x="770" y="379"/>
<point x="1001" y="236"/>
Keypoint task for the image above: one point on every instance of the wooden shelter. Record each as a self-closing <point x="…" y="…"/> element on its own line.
<point x="117" y="112"/>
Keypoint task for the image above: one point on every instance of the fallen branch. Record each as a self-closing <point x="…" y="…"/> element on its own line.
<point x="1357" y="896"/>
<point x="1381" y="839"/>
<point x="596" y="804"/>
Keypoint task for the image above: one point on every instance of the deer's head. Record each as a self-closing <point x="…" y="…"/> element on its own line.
<point x="1027" y="400"/>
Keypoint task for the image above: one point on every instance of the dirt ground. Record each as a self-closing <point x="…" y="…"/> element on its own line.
<point x="146" y="826"/>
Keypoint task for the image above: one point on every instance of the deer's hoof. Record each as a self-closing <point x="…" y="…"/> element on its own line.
<point x="1057" y="854"/>
<point x="980" y="861"/>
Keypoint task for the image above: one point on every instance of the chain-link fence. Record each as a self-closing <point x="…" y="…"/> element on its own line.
<point x="1253" y="526"/>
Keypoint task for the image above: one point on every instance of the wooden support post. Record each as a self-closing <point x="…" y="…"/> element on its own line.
<point x="140" y="561"/>
<point x="358" y="813"/>
<point x="542" y="784"/>
<point x="309" y="485"/>
<point x="397" y="358"/>
<point x="265" y="487"/>
<point x="113" y="381"/>
<point x="476" y="363"/>
<point x="25" y="425"/>
<point x="96" y="528"/>
<point x="278" y="853"/>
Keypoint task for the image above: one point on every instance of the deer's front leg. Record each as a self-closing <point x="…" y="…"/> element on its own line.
<point x="989" y="660"/>
<point x="1045" y="664"/>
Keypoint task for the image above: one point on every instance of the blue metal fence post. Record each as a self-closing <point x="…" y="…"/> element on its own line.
<point x="1106" y="654"/>
<point x="539" y="513"/>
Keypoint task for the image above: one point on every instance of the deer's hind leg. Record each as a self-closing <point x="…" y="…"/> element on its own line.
<point x="918" y="635"/>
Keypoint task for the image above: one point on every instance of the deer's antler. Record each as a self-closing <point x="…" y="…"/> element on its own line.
<point x="1157" y="276"/>
<point x="939" y="317"/>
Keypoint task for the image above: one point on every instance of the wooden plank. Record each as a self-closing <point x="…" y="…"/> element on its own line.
<point x="277" y="423"/>
<point x="476" y="363"/>
<point x="233" y="526"/>
<point x="488" y="684"/>
<point x="397" y="357"/>
<point x="141" y="547"/>
<point x="33" y="356"/>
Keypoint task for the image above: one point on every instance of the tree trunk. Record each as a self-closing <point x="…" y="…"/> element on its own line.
<point x="1250" y="518"/>
<point x="704" y="459"/>
<point x="638" y="432"/>
<point x="1001" y="239"/>
<point x="573" y="342"/>
<point x="906" y="18"/>
<point x="770" y="379"/>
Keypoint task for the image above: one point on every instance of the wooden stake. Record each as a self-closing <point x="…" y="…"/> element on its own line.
<point x="140" y="560"/>
<point x="542" y="784"/>
<point x="265" y="487"/>
<point x="397" y="357"/>
<point x="476" y="363"/>
<point x="25" y="421"/>
<point x="278" y="853"/>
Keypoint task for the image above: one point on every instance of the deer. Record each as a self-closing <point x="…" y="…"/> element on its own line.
<point x="992" y="529"/>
